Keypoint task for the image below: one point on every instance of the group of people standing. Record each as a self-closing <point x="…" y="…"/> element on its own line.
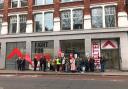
<point x="21" y="63"/>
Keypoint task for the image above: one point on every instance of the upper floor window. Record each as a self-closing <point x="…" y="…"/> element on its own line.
<point x="14" y="3"/>
<point x="17" y="24"/>
<point x="38" y="22"/>
<point x="72" y="19"/>
<point x="13" y="24"/>
<point x="103" y="17"/>
<point x="48" y="21"/>
<point x="69" y="0"/>
<point x="23" y="20"/>
<point x="19" y="3"/>
<point x="1" y="4"/>
<point x="43" y="22"/>
<point x="42" y="2"/>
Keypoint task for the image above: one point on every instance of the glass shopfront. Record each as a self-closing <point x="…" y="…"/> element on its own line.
<point x="73" y="46"/>
<point x="42" y="47"/>
<point x="11" y="64"/>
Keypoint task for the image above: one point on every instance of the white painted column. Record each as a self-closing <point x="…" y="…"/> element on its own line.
<point x="4" y="29"/>
<point x="56" y="47"/>
<point x="122" y="19"/>
<point x="87" y="22"/>
<point x="88" y="46"/>
<point x="29" y="27"/>
<point x="103" y="16"/>
<point x="2" y="55"/>
<point x="71" y="15"/>
<point x="43" y="27"/>
<point x="18" y="25"/>
<point x="124" y="51"/>
<point x="56" y="24"/>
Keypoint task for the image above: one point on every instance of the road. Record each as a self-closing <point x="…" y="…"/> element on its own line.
<point x="62" y="82"/>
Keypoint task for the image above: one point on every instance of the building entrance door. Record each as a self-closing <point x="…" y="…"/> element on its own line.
<point x="112" y="56"/>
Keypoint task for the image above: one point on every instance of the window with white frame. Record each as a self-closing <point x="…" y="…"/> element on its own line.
<point x="13" y="24"/>
<point x="0" y="23"/>
<point x="19" y="3"/>
<point x="23" y="3"/>
<point x="1" y="4"/>
<point x="42" y="2"/>
<point x="97" y="17"/>
<point x="14" y="3"/>
<point x="69" y="0"/>
<point x="77" y="19"/>
<point x="38" y="22"/>
<point x="48" y="21"/>
<point x="110" y="16"/>
<point x="66" y="20"/>
<point x="22" y="22"/>
<point x="103" y="17"/>
<point x="43" y="22"/>
<point x="72" y="19"/>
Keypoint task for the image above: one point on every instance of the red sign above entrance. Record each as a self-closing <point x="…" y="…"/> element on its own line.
<point x="109" y="44"/>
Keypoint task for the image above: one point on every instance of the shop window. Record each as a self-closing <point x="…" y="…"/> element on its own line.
<point x="77" y="19"/>
<point x="103" y="17"/>
<point x="38" y="22"/>
<point x="65" y="20"/>
<point x="13" y="24"/>
<point x="22" y="23"/>
<point x="48" y="21"/>
<point x="1" y="4"/>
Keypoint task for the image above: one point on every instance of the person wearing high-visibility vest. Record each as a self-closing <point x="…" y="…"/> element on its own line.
<point x="58" y="63"/>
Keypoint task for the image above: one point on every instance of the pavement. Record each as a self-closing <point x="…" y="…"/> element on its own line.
<point x="96" y="73"/>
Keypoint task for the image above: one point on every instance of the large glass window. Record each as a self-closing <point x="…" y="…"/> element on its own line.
<point x="69" y="0"/>
<point x="42" y="47"/>
<point x="38" y="22"/>
<point x="104" y="18"/>
<point x="77" y="19"/>
<point x="48" y="21"/>
<point x="1" y="4"/>
<point x="97" y="18"/>
<point x="13" y="24"/>
<point x="42" y="2"/>
<point x="110" y="16"/>
<point x="23" y="3"/>
<point x="14" y="3"/>
<point x="65" y="20"/>
<point x="23" y="20"/>
<point x="11" y="64"/>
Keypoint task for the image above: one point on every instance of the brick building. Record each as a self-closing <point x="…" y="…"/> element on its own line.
<point x="84" y="27"/>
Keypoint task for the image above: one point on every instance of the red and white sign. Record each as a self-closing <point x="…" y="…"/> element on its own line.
<point x="96" y="52"/>
<point x="109" y="44"/>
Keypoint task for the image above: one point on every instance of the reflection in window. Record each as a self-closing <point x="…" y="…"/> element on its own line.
<point x="65" y="20"/>
<point x="14" y="3"/>
<point x="38" y="22"/>
<point x="96" y="17"/>
<point x="110" y="16"/>
<point x="77" y="19"/>
<point x="38" y="2"/>
<point x="69" y="0"/>
<point x="1" y="4"/>
<point x="0" y="24"/>
<point x="48" y="21"/>
<point x="13" y="24"/>
<point x="48" y="1"/>
<point x="23" y="3"/>
<point x="23" y="20"/>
